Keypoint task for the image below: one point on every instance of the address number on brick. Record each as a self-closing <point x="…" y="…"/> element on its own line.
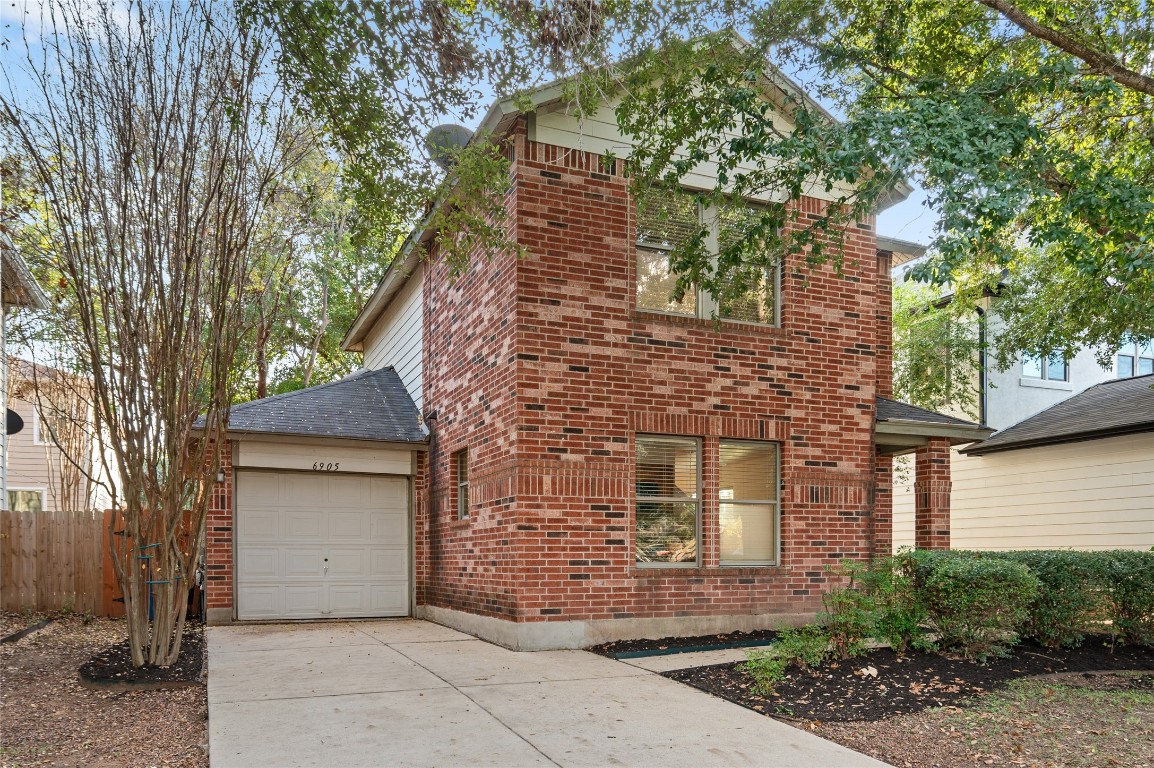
<point x="327" y="466"/>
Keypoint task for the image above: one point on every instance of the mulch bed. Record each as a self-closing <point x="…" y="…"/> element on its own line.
<point x="880" y="684"/>
<point x="112" y="667"/>
<point x="621" y="648"/>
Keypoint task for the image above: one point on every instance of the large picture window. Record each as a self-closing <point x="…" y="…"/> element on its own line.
<point x="748" y="503"/>
<point x="668" y="514"/>
<point x="668" y="219"/>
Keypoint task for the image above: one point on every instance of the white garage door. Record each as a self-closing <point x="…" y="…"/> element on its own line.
<point x="317" y="546"/>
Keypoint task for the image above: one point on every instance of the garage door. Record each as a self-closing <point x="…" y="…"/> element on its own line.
<point x="316" y="546"/>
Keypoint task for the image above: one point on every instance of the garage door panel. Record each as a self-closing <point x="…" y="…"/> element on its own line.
<point x="258" y="488"/>
<point x="258" y="563"/>
<point x="304" y="563"/>
<point x="260" y="524"/>
<point x="390" y="528"/>
<point x="306" y="524"/>
<point x="389" y="563"/>
<point x="349" y="524"/>
<point x="304" y="600"/>
<point x="288" y="523"/>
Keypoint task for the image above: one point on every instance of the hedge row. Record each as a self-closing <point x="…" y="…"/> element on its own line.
<point x="981" y="602"/>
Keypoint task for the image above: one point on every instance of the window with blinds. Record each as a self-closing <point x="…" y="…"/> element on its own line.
<point x="749" y="502"/>
<point x="665" y="220"/>
<point x="757" y="303"/>
<point x="668" y="499"/>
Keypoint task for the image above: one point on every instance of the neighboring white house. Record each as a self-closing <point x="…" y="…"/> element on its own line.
<point x="1092" y="493"/>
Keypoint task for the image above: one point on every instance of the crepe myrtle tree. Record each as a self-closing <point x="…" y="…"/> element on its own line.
<point x="156" y="140"/>
<point x="1028" y="123"/>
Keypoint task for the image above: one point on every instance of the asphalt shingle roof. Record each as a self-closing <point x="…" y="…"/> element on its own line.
<point x="891" y="410"/>
<point x="1118" y="407"/>
<point x="369" y="405"/>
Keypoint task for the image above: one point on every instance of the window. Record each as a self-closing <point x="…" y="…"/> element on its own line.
<point x="25" y="501"/>
<point x="49" y="428"/>
<point x="666" y="220"/>
<point x="668" y="515"/>
<point x="1053" y="368"/>
<point x="748" y="502"/>
<point x="1136" y="360"/>
<point x="461" y="471"/>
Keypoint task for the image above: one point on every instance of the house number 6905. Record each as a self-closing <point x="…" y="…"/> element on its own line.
<point x="326" y="466"/>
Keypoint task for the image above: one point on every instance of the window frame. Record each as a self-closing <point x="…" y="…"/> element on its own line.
<point x="1133" y="351"/>
<point x="699" y="500"/>
<point x="1044" y="368"/>
<point x="461" y="486"/>
<point x="707" y="306"/>
<point x="23" y="489"/>
<point x="775" y="503"/>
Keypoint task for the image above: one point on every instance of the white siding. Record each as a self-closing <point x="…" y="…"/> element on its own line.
<point x="1095" y="494"/>
<point x="599" y="133"/>
<point x="396" y="338"/>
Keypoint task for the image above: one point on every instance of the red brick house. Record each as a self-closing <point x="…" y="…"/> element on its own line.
<point x="547" y="452"/>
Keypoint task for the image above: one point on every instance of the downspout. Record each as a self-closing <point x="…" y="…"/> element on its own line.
<point x="983" y="380"/>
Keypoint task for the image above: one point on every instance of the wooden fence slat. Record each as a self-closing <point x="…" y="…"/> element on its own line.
<point x="53" y="560"/>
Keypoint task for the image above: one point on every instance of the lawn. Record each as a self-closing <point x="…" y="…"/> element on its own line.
<point x="49" y="719"/>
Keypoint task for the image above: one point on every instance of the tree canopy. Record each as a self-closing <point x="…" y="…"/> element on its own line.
<point x="1028" y="123"/>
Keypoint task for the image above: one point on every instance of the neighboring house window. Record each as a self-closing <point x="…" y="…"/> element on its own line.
<point x="668" y="513"/>
<point x="1052" y="368"/>
<point x="666" y="220"/>
<point x="25" y="501"/>
<point x="1136" y="360"/>
<point x="461" y="471"/>
<point x="749" y="502"/>
<point x="45" y="426"/>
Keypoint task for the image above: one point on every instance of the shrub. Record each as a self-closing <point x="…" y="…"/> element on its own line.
<point x="1130" y="577"/>
<point x="977" y="603"/>
<point x="805" y="647"/>
<point x="1071" y="597"/>
<point x="899" y="613"/>
<point x="849" y="611"/>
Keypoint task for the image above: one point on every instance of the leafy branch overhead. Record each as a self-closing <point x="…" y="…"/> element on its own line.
<point x="1027" y="123"/>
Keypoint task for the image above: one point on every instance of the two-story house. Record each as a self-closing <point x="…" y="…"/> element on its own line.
<point x="1072" y="463"/>
<point x="548" y="452"/>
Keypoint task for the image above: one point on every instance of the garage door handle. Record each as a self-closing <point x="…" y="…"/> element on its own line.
<point x="326" y="570"/>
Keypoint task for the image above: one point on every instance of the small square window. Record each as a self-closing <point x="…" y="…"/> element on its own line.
<point x="461" y="482"/>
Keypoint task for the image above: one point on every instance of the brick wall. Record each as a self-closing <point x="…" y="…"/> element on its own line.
<point x="932" y="486"/>
<point x="544" y="369"/>
<point x="219" y="540"/>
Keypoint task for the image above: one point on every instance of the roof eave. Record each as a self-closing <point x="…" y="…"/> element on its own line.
<point x="960" y="432"/>
<point x="1078" y="437"/>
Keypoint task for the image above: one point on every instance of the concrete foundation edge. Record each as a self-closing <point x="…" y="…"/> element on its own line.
<point x="215" y="617"/>
<point x="557" y="635"/>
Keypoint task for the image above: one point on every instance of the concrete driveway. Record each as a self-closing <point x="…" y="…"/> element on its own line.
<point x="411" y="693"/>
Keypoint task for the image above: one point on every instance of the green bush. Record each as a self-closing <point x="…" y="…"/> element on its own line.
<point x="1072" y="595"/>
<point x="849" y="611"/>
<point x="977" y="603"/>
<point x="899" y="615"/>
<point x="1130" y="576"/>
<point x="805" y="647"/>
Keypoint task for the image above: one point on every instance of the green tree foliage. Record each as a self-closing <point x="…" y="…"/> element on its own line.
<point x="1029" y="124"/>
<point x="936" y="353"/>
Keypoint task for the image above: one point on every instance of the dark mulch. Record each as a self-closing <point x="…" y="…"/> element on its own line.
<point x="113" y="666"/>
<point x="621" y="648"/>
<point x="850" y="691"/>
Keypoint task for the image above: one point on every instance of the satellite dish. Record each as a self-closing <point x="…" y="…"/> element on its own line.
<point x="15" y="423"/>
<point x="443" y="141"/>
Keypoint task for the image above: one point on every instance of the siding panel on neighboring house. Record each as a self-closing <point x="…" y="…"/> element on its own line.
<point x="1094" y="494"/>
<point x="397" y="340"/>
<point x="28" y="461"/>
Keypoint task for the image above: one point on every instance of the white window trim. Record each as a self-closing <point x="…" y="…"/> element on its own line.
<point x="36" y="437"/>
<point x="42" y="491"/>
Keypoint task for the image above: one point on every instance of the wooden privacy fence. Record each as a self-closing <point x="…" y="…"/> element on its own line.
<point x="52" y="560"/>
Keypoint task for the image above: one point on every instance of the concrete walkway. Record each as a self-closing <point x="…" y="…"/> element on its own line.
<point x="411" y="693"/>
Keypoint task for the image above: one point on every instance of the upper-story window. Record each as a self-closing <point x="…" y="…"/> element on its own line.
<point x="1052" y="368"/>
<point x="667" y="219"/>
<point x="1136" y="360"/>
